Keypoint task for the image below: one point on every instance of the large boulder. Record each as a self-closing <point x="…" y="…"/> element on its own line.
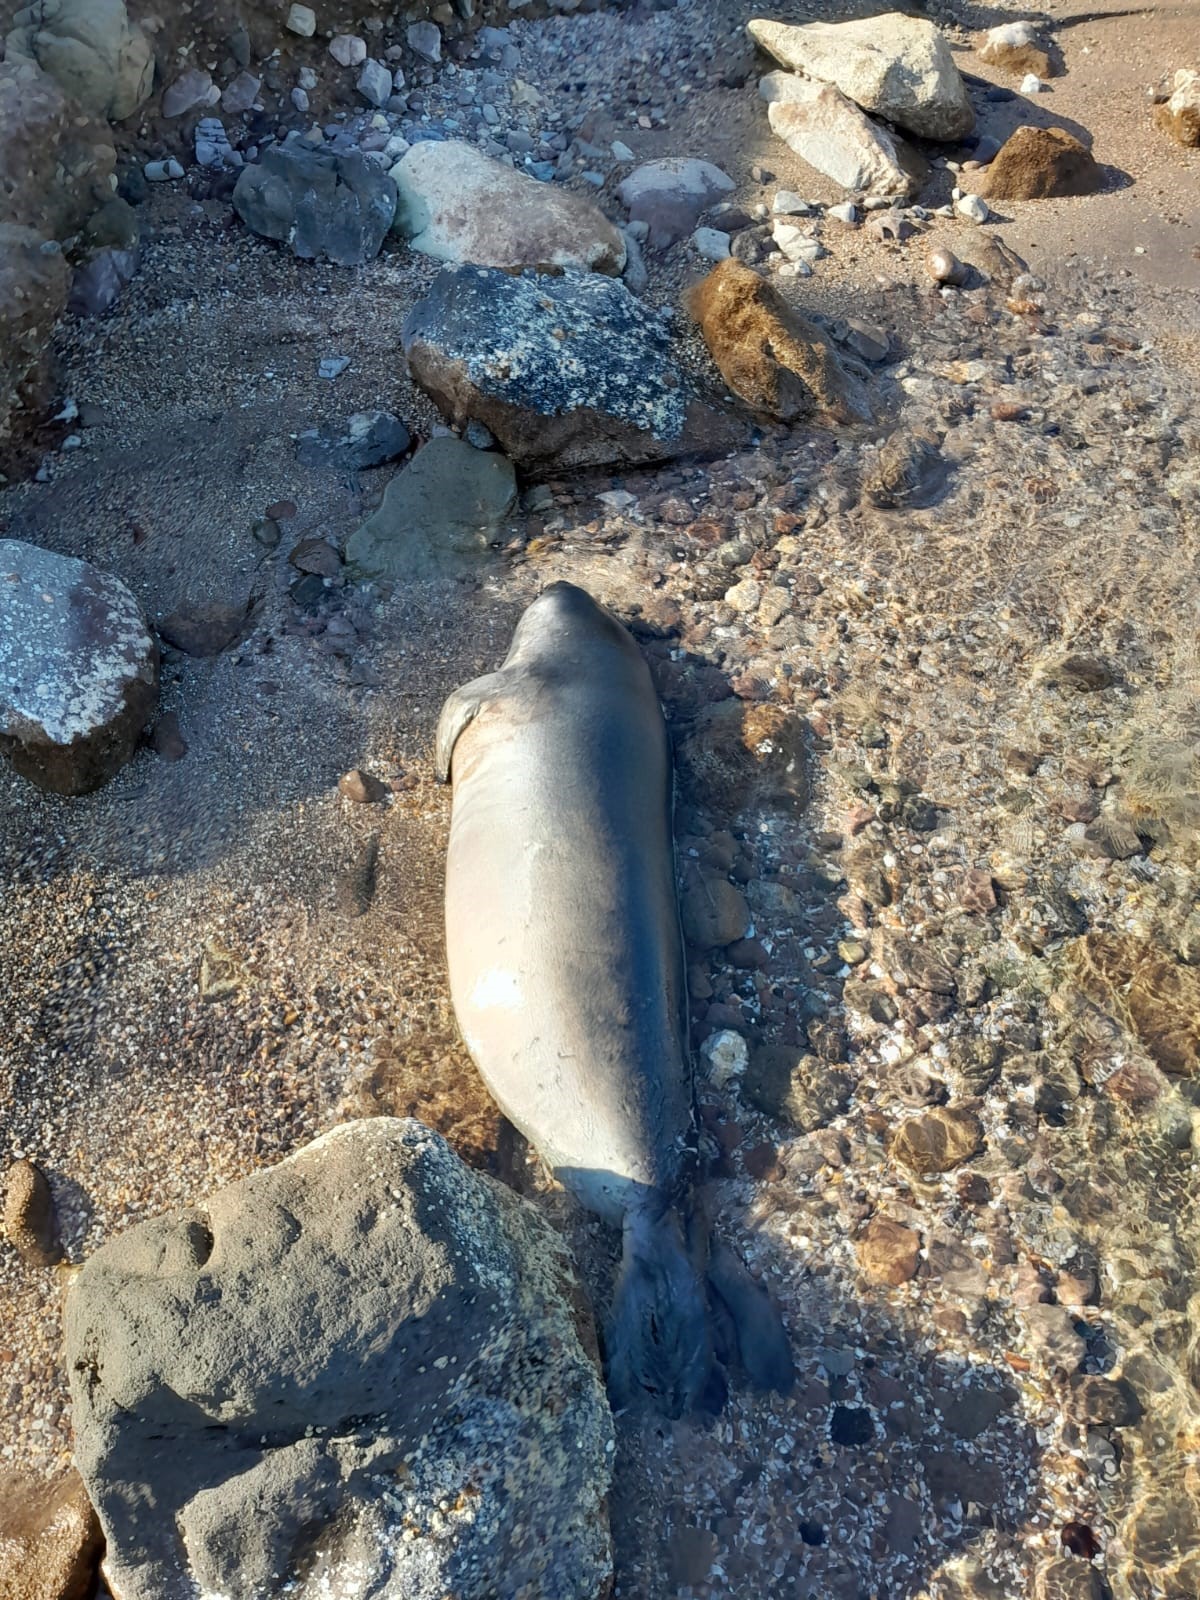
<point x="569" y="371"/>
<point x="357" y="1373"/>
<point x="828" y="131"/>
<point x="322" y="206"/>
<point x="895" y="66"/>
<point x="91" y="49"/>
<point x="55" y="162"/>
<point x="1041" y="164"/>
<point x="458" y="205"/>
<point x="670" y="196"/>
<point x="78" y="669"/>
<point x="773" y="358"/>
<point x="34" y="282"/>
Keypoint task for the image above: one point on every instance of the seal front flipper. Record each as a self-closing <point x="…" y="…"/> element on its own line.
<point x="460" y="708"/>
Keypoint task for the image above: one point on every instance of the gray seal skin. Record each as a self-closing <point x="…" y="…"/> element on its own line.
<point x="567" y="977"/>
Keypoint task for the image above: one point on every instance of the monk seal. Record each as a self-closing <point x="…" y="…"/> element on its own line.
<point x="567" y="977"/>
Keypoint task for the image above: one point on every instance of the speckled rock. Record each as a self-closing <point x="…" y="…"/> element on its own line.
<point x="50" y="1540"/>
<point x="670" y="196"/>
<point x="91" y="49"/>
<point x="439" y="513"/>
<point x="457" y="204"/>
<point x="785" y="1081"/>
<point x="34" y="280"/>
<point x="566" y="372"/>
<point x="773" y="358"/>
<point x="30" y="1225"/>
<point x="78" y="669"/>
<point x="895" y="66"/>
<point x="355" y="1373"/>
<point x="322" y="206"/>
<point x="54" y="163"/>
<point x="828" y="130"/>
<point x="1041" y="164"/>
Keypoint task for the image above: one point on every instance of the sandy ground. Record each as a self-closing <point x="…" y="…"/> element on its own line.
<point x="928" y="1449"/>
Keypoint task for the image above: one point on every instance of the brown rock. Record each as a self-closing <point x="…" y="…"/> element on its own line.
<point x="34" y="281"/>
<point x="30" y="1225"/>
<point x="1104" y="1402"/>
<point x="1154" y="998"/>
<point x="318" y="556"/>
<point x="1180" y="114"/>
<point x="888" y="1252"/>
<point x="738" y="754"/>
<point x="1041" y="164"/>
<point x="938" y="1140"/>
<point x="713" y="911"/>
<point x="205" y="628"/>
<point x="908" y="470"/>
<point x="978" y="892"/>
<point x="784" y="1081"/>
<point x="361" y="787"/>
<point x="50" y="1540"/>
<point x="1068" y="1578"/>
<point x="774" y="359"/>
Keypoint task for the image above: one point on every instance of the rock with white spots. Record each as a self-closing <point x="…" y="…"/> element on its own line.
<point x="358" y="1373"/>
<point x="671" y="196"/>
<point x="1179" y="114"/>
<point x="78" y="669"/>
<point x="568" y="371"/>
<point x="895" y="66"/>
<point x="828" y="131"/>
<point x="457" y="204"/>
<point x="724" y="1057"/>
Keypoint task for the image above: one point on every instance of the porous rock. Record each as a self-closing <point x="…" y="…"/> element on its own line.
<point x="78" y="669"/>
<point x="670" y="196"/>
<point x="355" y="1373"/>
<point x="91" y="49"/>
<point x="828" y="130"/>
<point x="457" y="204"/>
<point x="1041" y="164"/>
<point x="323" y="206"/>
<point x="773" y="358"/>
<point x="566" y="372"/>
<point x="30" y="1224"/>
<point x="896" y="66"/>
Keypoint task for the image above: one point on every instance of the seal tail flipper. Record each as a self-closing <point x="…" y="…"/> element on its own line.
<point x="459" y="709"/>
<point x="762" y="1341"/>
<point x="659" y="1343"/>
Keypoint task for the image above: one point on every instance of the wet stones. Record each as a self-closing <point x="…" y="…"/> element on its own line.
<point x="1179" y="114"/>
<point x="322" y="206"/>
<point x="1154" y="998"/>
<point x="773" y="358"/>
<point x="78" y="669"/>
<point x="736" y="755"/>
<point x="367" y="439"/>
<point x="896" y="66"/>
<point x="1104" y="1402"/>
<point x="1068" y="1578"/>
<point x="786" y="1082"/>
<point x="459" y="205"/>
<point x="565" y="372"/>
<point x="908" y="471"/>
<point x="1053" y="1336"/>
<point x="439" y="514"/>
<point x="30" y="1225"/>
<point x="1041" y="164"/>
<point x="888" y="1252"/>
<point x="670" y="196"/>
<point x="366" y="1332"/>
<point x="938" y="1140"/>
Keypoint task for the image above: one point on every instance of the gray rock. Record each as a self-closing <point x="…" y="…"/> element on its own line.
<point x="375" y="83"/>
<point x="355" y="1373"/>
<point x="323" y="206"/>
<point x="78" y="669"/>
<point x="828" y="131"/>
<point x="241" y="94"/>
<point x="92" y="51"/>
<point x="302" y="20"/>
<point x="168" y="171"/>
<point x="99" y="283"/>
<point x="212" y="143"/>
<point x="895" y="66"/>
<point x="568" y="371"/>
<point x="348" y="50"/>
<point x="55" y="163"/>
<point x="457" y="204"/>
<point x="425" y="40"/>
<point x="711" y="244"/>
<point x="368" y="439"/>
<point x="191" y="88"/>
<point x="671" y="196"/>
<point x="439" y="514"/>
<point x="34" y="280"/>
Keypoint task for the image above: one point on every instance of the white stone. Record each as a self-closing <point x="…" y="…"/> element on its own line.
<point x="821" y="125"/>
<point x="348" y="50"/>
<point x="1031" y="84"/>
<point x="712" y="244"/>
<point x="725" y="1056"/>
<point x="302" y="20"/>
<point x="896" y="66"/>
<point x="306" y="78"/>
<point x="621" y="152"/>
<point x="973" y="207"/>
<point x="846" y="214"/>
<point x="299" y="99"/>
<point x="375" y="83"/>
<point x="787" y="203"/>
<point x="795" y="244"/>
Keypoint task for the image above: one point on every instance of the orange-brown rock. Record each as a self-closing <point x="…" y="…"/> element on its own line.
<point x="938" y="1140"/>
<point x="1041" y="164"/>
<point x="1154" y="998"/>
<point x="773" y="358"/>
<point x="888" y="1252"/>
<point x="50" y="1540"/>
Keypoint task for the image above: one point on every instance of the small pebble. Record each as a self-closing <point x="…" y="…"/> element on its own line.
<point x="162" y="171"/>
<point x="333" y="366"/>
<point x="973" y="207"/>
<point x="1031" y="84"/>
<point x="348" y="50"/>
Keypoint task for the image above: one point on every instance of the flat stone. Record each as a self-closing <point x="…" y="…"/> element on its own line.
<point x="357" y="1372"/>
<point x="439" y="515"/>
<point x="773" y="358"/>
<point x="567" y="372"/>
<point x="1041" y="164"/>
<point x="78" y="669"/>
<point x="368" y="439"/>
<point x="938" y="1140"/>
<point x="828" y="131"/>
<point x="670" y="196"/>
<point x="711" y="244"/>
<point x="322" y="206"/>
<point x="191" y="88"/>
<point x="1155" y="998"/>
<point x="457" y="204"/>
<point x="895" y="66"/>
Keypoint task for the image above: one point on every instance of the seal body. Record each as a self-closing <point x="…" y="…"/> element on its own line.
<point x="566" y="958"/>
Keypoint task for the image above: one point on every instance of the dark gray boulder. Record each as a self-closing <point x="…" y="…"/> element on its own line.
<point x="367" y="439"/>
<point x="357" y="1373"/>
<point x="78" y="669"/>
<point x="323" y="206"/>
<point x="566" y="371"/>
